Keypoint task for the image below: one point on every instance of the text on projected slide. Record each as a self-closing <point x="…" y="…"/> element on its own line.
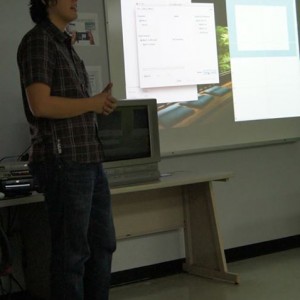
<point x="176" y="45"/>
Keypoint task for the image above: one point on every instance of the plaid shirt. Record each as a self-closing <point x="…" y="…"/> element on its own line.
<point x="45" y="55"/>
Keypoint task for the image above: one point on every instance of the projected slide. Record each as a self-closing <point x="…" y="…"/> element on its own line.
<point x="176" y="45"/>
<point x="169" y="48"/>
<point x="264" y="50"/>
<point x="199" y="57"/>
<point x="177" y="52"/>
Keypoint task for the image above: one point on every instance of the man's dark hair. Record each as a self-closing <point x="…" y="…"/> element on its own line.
<point x="38" y="10"/>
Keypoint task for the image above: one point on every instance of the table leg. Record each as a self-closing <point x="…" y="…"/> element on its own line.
<point x="204" y="251"/>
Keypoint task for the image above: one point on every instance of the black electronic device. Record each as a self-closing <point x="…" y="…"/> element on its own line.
<point x="15" y="179"/>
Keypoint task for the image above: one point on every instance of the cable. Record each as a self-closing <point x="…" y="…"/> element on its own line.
<point x="11" y="221"/>
<point x="25" y="152"/>
<point x="8" y="291"/>
<point x="7" y="157"/>
<point x="13" y="278"/>
<point x="6" y="264"/>
<point x="17" y="157"/>
<point x="6" y="257"/>
<point x="2" y="289"/>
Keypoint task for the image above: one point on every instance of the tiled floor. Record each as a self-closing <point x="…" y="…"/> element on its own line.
<point x="269" y="277"/>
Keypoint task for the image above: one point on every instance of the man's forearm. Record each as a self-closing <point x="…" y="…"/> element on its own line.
<point x="53" y="107"/>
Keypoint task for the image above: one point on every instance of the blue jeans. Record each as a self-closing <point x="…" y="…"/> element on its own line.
<point x="82" y="231"/>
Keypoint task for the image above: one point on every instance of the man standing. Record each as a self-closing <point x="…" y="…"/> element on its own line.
<point x="65" y="156"/>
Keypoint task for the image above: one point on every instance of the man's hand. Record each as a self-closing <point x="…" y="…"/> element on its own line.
<point x="109" y="105"/>
<point x="111" y="102"/>
<point x="105" y="102"/>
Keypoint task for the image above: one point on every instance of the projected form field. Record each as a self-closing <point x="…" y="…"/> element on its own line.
<point x="264" y="52"/>
<point x="176" y="45"/>
<point x="268" y="32"/>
